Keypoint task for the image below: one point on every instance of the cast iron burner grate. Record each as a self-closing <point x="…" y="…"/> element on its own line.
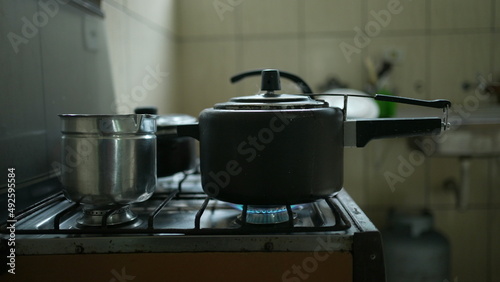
<point x="341" y="222"/>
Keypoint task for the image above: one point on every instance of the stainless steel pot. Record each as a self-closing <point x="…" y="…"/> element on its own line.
<point x="108" y="160"/>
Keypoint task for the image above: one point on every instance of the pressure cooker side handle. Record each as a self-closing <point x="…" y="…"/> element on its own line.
<point x="357" y="133"/>
<point x="299" y="81"/>
<point x="441" y="103"/>
<point x="191" y="130"/>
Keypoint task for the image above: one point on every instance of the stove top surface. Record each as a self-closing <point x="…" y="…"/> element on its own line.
<point x="180" y="217"/>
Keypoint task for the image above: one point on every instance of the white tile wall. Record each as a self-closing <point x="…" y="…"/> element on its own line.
<point x="494" y="177"/>
<point x="397" y="15"/>
<point x="408" y="75"/>
<point x="203" y="18"/>
<point x="157" y="12"/>
<point x="152" y="69"/>
<point x="204" y="79"/>
<point x="143" y="54"/>
<point x="496" y="54"/>
<point x="460" y="14"/>
<point x="23" y="137"/>
<point x="324" y="59"/>
<point x="480" y="185"/>
<point x="494" y="251"/>
<point x="469" y="244"/>
<point x="332" y="15"/>
<point x="444" y="43"/>
<point x="117" y="26"/>
<point x="354" y="169"/>
<point x="455" y="59"/>
<point x="387" y="158"/>
<point x="496" y="17"/>
<point x="64" y="83"/>
<point x="263" y="17"/>
<point x="258" y="54"/>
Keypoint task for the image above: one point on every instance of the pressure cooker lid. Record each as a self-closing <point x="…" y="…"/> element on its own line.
<point x="270" y="99"/>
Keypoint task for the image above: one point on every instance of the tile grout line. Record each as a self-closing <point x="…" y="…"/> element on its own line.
<point x="489" y="217"/>
<point x="367" y="155"/>
<point x="346" y="34"/>
<point x="127" y="44"/>
<point x="492" y="37"/>
<point x="493" y="12"/>
<point x="427" y="87"/>
<point x="238" y="39"/>
<point x="301" y="37"/>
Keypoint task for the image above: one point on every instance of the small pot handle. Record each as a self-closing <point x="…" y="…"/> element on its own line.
<point x="191" y="130"/>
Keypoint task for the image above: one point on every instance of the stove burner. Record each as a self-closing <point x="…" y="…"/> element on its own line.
<point x="117" y="217"/>
<point x="265" y="214"/>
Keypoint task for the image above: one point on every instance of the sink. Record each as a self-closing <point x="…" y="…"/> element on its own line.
<point x="471" y="134"/>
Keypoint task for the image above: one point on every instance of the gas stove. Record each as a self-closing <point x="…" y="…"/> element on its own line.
<point x="331" y="237"/>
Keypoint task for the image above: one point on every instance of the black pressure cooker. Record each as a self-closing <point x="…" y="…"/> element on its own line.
<point x="275" y="149"/>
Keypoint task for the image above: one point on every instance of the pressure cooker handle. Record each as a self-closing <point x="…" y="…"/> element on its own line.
<point x="426" y="103"/>
<point x="191" y="130"/>
<point x="299" y="81"/>
<point x="357" y="133"/>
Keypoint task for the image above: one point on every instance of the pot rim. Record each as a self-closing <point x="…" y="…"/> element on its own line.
<point x="104" y="115"/>
<point x="135" y="124"/>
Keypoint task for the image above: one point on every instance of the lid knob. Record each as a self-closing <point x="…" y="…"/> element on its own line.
<point x="270" y="80"/>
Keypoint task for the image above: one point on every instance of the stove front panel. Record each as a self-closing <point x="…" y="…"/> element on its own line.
<point x="220" y="266"/>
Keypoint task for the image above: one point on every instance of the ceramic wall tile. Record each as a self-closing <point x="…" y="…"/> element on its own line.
<point x="397" y="15"/>
<point x="407" y="55"/>
<point x="206" y="18"/>
<point x="396" y="174"/>
<point x="354" y="169"/>
<point x="496" y="56"/>
<point x="23" y="131"/>
<point x="267" y="53"/>
<point x="263" y="17"/>
<point x="118" y="37"/>
<point x="151" y="63"/>
<point x="324" y="59"/>
<point x="205" y="74"/>
<point x="76" y="71"/>
<point x="157" y="13"/>
<point x="497" y="15"/>
<point x="494" y="177"/>
<point x="494" y="248"/>
<point x="468" y="241"/>
<point x="443" y="193"/>
<point x="332" y="15"/>
<point x="460" y="14"/>
<point x="456" y="60"/>
<point x="142" y="52"/>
